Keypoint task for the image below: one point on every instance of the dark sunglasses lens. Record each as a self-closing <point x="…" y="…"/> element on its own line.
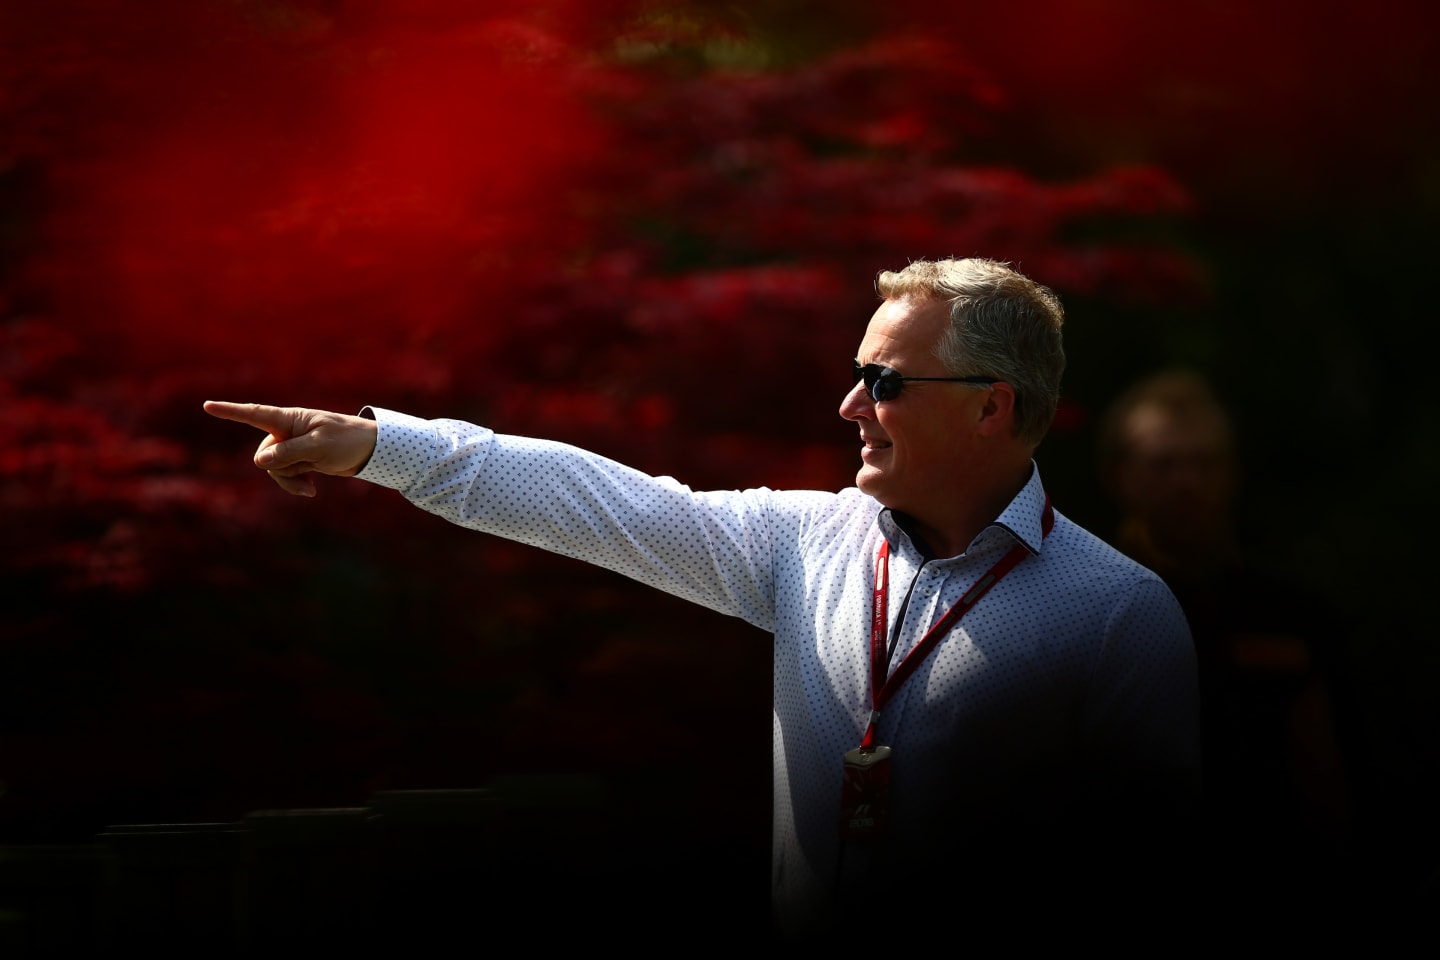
<point x="882" y="382"/>
<point x="886" y="386"/>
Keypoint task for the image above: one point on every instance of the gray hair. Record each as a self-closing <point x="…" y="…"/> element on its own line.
<point x="1002" y="325"/>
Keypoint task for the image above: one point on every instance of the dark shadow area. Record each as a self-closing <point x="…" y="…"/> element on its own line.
<point x="564" y="860"/>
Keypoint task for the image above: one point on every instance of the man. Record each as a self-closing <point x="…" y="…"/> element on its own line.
<point x="1168" y="462"/>
<point x="1014" y="757"/>
<point x="1270" y="656"/>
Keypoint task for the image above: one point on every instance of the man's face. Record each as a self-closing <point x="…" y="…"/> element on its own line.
<point x="1178" y="474"/>
<point x="916" y="445"/>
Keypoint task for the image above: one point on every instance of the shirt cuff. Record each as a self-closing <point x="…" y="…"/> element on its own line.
<point x="405" y="448"/>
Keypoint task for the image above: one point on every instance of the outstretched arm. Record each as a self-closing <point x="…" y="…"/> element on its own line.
<point x="303" y="441"/>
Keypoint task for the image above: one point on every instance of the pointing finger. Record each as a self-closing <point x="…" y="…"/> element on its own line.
<point x="272" y="419"/>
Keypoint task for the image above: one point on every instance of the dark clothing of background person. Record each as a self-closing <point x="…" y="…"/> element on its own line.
<point x="1277" y="784"/>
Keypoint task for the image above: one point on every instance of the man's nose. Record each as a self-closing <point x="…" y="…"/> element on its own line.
<point x="858" y="404"/>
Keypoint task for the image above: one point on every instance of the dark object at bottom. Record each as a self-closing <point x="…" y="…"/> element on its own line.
<point x="553" y="857"/>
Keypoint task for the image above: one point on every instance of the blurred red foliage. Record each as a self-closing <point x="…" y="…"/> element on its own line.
<point x="564" y="220"/>
<point x="460" y="208"/>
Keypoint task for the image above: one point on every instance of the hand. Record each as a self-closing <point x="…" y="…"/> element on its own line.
<point x="302" y="442"/>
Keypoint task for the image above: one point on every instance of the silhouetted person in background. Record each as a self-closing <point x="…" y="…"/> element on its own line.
<point x="1277" y="797"/>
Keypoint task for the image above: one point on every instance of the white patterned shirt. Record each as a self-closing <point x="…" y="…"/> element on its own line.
<point x="1074" y="673"/>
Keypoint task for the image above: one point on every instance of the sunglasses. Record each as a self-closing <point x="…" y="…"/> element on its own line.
<point x="884" y="383"/>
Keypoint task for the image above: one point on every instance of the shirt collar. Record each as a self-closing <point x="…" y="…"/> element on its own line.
<point x="1022" y="517"/>
<point x="1020" y="520"/>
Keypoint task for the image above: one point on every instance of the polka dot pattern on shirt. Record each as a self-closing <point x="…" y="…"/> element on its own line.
<point x="1078" y="652"/>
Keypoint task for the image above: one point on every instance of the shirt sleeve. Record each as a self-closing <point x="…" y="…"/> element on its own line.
<point x="1142" y="716"/>
<point x="712" y="548"/>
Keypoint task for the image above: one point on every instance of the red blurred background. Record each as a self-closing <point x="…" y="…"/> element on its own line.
<point x="651" y="229"/>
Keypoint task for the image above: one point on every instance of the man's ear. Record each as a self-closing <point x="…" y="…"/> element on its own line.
<point x="998" y="413"/>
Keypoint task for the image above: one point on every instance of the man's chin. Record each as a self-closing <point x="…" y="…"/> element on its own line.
<point x="871" y="482"/>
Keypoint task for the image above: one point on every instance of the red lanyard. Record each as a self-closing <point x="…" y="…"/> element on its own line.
<point x="882" y="688"/>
